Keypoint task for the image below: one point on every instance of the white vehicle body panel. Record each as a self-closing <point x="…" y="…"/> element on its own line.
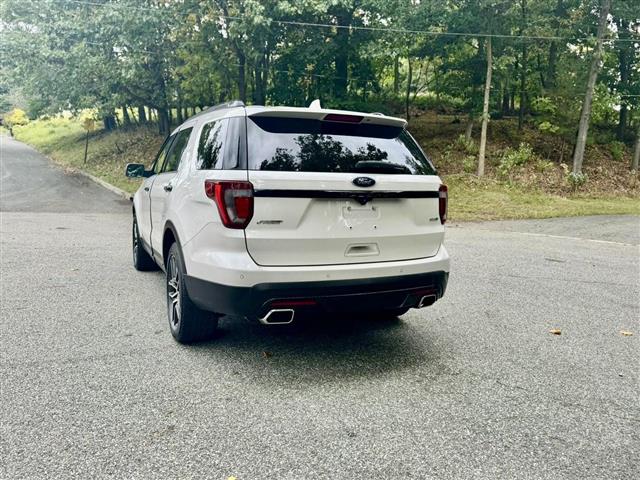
<point x="293" y="239"/>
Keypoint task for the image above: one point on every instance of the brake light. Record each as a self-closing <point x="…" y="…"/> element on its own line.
<point x="234" y="200"/>
<point x="336" y="117"/>
<point x="443" y="200"/>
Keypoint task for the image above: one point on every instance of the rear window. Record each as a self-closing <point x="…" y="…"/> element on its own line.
<point x="305" y="145"/>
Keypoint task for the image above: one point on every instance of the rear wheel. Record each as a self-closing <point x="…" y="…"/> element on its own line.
<point x="142" y="261"/>
<point x="187" y="322"/>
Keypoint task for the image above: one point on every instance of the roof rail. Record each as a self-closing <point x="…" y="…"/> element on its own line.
<point x="221" y="106"/>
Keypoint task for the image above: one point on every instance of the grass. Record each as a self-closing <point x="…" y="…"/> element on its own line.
<point x="526" y="194"/>
<point x="473" y="199"/>
<point x="63" y="139"/>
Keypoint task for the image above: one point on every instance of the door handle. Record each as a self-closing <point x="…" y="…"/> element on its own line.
<point x="146" y="189"/>
<point x="168" y="187"/>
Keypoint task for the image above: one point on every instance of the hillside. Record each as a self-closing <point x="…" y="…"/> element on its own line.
<point x="527" y="172"/>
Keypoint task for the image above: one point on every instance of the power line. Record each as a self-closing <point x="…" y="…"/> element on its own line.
<point x="374" y="29"/>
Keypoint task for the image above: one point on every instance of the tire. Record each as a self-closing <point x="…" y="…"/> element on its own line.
<point x="142" y="261"/>
<point x="187" y="322"/>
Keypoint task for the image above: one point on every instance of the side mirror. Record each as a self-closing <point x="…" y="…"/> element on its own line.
<point x="134" y="170"/>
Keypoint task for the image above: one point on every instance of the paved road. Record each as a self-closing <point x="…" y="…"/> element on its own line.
<point x="93" y="385"/>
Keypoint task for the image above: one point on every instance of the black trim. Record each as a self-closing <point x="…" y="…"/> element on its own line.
<point x="331" y="296"/>
<point x="355" y="194"/>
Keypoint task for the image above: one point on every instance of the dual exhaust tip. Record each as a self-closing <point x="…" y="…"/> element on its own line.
<point x="284" y="316"/>
<point x="278" y="316"/>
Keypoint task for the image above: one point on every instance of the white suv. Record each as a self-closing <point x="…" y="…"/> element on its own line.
<point x="267" y="212"/>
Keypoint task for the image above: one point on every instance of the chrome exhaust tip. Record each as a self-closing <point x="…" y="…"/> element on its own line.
<point x="278" y="316"/>
<point x="426" y="301"/>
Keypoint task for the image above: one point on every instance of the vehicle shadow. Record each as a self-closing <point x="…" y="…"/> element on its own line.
<point x="328" y="349"/>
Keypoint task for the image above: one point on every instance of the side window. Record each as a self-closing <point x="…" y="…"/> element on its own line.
<point x="162" y="154"/>
<point x="177" y="150"/>
<point x="211" y="145"/>
<point x="234" y="136"/>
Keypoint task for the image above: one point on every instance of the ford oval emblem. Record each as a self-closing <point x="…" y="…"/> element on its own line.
<point x="364" y="182"/>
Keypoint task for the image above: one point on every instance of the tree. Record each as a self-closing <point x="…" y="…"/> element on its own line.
<point x="596" y="64"/>
<point x="485" y="110"/>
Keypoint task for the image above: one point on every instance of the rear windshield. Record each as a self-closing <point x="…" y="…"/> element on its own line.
<point x="305" y="145"/>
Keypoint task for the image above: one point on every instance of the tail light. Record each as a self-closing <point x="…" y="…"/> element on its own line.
<point x="443" y="200"/>
<point x="338" y="117"/>
<point x="234" y="201"/>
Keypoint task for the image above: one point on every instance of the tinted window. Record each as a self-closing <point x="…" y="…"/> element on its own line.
<point x="177" y="149"/>
<point x="162" y="154"/>
<point x="234" y="135"/>
<point x="211" y="145"/>
<point x="303" y="145"/>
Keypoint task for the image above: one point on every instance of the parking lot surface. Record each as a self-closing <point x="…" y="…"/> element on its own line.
<point x="93" y="385"/>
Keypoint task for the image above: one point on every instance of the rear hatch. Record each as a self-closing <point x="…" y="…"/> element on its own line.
<point x="333" y="189"/>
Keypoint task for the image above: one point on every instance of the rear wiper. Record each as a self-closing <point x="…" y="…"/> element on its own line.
<point x="377" y="166"/>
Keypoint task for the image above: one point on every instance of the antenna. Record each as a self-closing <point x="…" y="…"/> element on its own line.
<point x="315" y="105"/>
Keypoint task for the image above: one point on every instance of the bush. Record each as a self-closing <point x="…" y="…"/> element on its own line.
<point x="617" y="151"/>
<point x="543" y="166"/>
<point x="466" y="146"/>
<point x="15" y="118"/>
<point x="469" y="164"/>
<point x="577" y="180"/>
<point x="514" y="158"/>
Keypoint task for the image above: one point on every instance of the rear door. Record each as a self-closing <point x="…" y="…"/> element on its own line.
<point x="339" y="192"/>
<point x="163" y="186"/>
<point x="144" y="215"/>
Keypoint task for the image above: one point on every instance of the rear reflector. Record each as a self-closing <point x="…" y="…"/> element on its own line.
<point x="292" y="303"/>
<point x="234" y="201"/>
<point x="336" y="117"/>
<point x="443" y="203"/>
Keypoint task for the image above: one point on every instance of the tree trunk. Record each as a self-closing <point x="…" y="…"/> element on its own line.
<point x="408" y="92"/>
<point x="396" y="75"/>
<point x="596" y="64"/>
<point x="469" y="130"/>
<point x="163" y="121"/>
<point x="485" y="110"/>
<point x="343" y="18"/>
<point x="523" y="69"/>
<point x="179" y="117"/>
<point x="125" y="116"/>
<point x="242" y="82"/>
<point x="552" y="67"/>
<point x="142" y="115"/>
<point x="636" y="150"/>
<point x="86" y="147"/>
<point x="109" y="122"/>
<point x="624" y="67"/>
<point x="505" y="99"/>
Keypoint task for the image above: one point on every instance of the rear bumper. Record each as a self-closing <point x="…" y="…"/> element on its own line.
<point x="331" y="296"/>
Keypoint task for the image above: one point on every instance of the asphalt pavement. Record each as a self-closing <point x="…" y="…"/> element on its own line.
<point x="93" y="385"/>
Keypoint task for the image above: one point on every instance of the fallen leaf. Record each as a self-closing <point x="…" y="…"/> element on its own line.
<point x="626" y="333"/>
<point x="555" y="331"/>
<point x="267" y="354"/>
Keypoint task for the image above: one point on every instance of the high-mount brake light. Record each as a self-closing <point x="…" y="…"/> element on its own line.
<point x="443" y="200"/>
<point x="234" y="200"/>
<point x="337" y="117"/>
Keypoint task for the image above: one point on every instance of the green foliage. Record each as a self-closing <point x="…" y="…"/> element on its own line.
<point x="548" y="127"/>
<point x="543" y="166"/>
<point x="15" y="118"/>
<point x="511" y="159"/>
<point x="576" y="180"/>
<point x="466" y="146"/>
<point x="617" y="150"/>
<point x="470" y="163"/>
